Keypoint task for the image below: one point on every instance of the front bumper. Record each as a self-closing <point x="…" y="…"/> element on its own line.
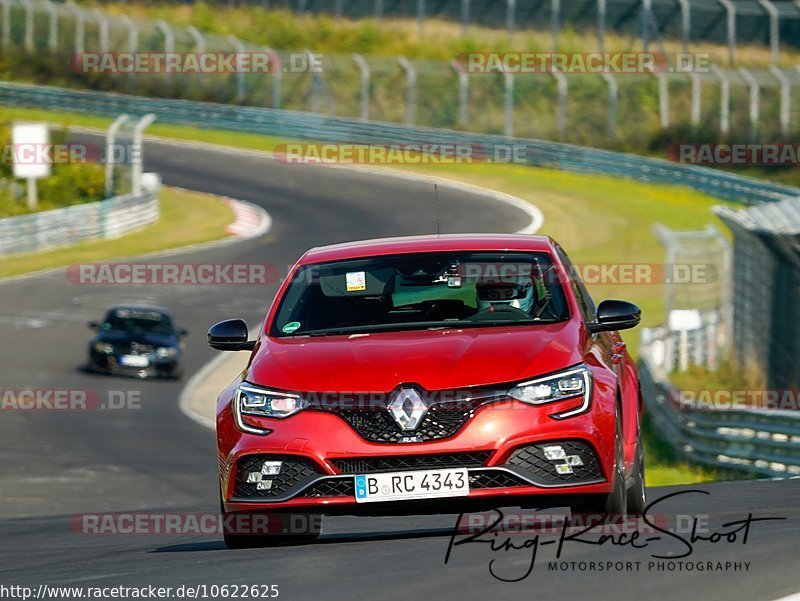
<point x="156" y="367"/>
<point x="500" y="445"/>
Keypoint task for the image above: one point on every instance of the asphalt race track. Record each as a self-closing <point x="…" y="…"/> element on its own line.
<point x="154" y="459"/>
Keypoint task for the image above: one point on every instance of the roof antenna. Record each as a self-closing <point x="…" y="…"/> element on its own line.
<point x="436" y="196"/>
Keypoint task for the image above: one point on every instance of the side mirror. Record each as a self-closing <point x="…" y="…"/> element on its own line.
<point x="181" y="332"/>
<point x="93" y="325"/>
<point x="615" y="315"/>
<point x="230" y="335"/>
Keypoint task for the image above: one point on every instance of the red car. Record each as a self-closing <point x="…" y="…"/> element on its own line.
<point x="428" y="375"/>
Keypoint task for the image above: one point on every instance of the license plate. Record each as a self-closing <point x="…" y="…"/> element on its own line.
<point x="403" y="486"/>
<point x="134" y="360"/>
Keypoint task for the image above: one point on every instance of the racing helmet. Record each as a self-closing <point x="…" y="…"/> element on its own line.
<point x="514" y="293"/>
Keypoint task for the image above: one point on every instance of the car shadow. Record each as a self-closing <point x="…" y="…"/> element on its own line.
<point x="325" y="539"/>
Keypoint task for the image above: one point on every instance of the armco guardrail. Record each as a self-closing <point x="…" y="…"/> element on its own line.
<point x="753" y="441"/>
<point x="307" y="126"/>
<point x="108" y="219"/>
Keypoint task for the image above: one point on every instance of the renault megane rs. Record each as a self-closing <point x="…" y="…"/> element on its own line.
<point x="429" y="374"/>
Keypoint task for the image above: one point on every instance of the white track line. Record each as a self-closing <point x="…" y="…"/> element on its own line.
<point x="195" y="381"/>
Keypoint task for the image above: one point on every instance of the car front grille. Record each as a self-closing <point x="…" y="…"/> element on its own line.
<point x="495" y="479"/>
<point x="486" y="478"/>
<point x="377" y="425"/>
<point x="483" y="479"/>
<point x="338" y="487"/>
<point x="296" y="472"/>
<point x="531" y="459"/>
<point x="400" y="463"/>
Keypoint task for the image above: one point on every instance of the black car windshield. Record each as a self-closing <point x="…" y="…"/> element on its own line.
<point x="138" y="321"/>
<point x="421" y="291"/>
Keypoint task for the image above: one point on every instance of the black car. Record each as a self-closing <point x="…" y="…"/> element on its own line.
<point x="136" y="341"/>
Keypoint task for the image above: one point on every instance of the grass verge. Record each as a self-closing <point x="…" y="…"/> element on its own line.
<point x="598" y="219"/>
<point x="186" y="218"/>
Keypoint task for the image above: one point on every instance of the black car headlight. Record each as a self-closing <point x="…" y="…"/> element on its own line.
<point x="575" y="382"/>
<point x="263" y="402"/>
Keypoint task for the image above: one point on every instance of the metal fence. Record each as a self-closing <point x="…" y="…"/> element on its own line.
<point x="622" y="111"/>
<point x="743" y="21"/>
<point x="766" y="291"/>
<point x="752" y="423"/>
<point x="304" y="126"/>
<point x="107" y="219"/>
<point x="696" y="330"/>
<point x="753" y="441"/>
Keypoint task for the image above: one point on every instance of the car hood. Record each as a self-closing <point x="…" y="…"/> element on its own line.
<point x="435" y="360"/>
<point x="155" y="339"/>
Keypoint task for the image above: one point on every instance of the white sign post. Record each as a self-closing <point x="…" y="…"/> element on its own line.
<point x="31" y="155"/>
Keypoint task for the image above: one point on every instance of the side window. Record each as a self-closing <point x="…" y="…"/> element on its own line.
<point x="585" y="301"/>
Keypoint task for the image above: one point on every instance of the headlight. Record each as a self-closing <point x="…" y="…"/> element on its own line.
<point x="253" y="400"/>
<point x="104" y="347"/>
<point x="166" y="352"/>
<point x="574" y="382"/>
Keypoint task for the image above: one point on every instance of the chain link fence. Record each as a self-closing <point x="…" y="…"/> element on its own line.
<point x="698" y="307"/>
<point x="743" y="21"/>
<point x="622" y="111"/>
<point x="766" y="289"/>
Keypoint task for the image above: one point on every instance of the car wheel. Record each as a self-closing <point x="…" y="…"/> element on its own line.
<point x="614" y="505"/>
<point x="637" y="494"/>
<point x="253" y="541"/>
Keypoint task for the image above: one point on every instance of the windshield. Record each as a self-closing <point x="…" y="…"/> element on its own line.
<point x="421" y="291"/>
<point x="137" y="321"/>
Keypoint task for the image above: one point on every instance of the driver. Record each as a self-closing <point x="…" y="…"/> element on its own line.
<point x="517" y="294"/>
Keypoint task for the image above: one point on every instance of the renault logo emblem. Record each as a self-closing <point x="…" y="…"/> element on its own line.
<point x="408" y="408"/>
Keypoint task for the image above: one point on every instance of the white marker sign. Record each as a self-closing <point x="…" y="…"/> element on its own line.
<point x="30" y="145"/>
<point x="30" y="142"/>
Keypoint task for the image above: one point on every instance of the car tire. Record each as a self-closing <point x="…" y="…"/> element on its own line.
<point x="614" y="505"/>
<point x="637" y="493"/>
<point x="255" y="541"/>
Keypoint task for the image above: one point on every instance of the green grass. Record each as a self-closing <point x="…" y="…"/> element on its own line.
<point x="598" y="219"/>
<point x="186" y="218"/>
